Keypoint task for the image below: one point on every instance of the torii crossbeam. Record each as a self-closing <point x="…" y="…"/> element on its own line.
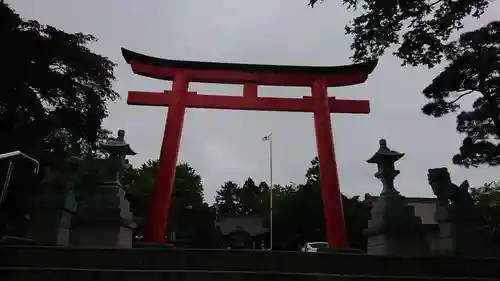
<point x="250" y="76"/>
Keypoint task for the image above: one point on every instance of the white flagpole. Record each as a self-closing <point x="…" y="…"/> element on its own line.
<point x="270" y="139"/>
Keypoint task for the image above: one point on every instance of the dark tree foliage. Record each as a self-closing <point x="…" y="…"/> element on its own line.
<point x="226" y="200"/>
<point x="487" y="199"/>
<point x="312" y="174"/>
<point x="139" y="182"/>
<point x="421" y="29"/>
<point x="355" y="213"/>
<point x="474" y="70"/>
<point x="53" y="89"/>
<point x="298" y="209"/>
<point x="189" y="214"/>
<point x="252" y="198"/>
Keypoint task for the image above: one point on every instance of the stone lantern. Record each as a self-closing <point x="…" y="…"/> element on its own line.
<point x="385" y="159"/>
<point x="104" y="219"/>
<point x="118" y="150"/>
<point x="393" y="228"/>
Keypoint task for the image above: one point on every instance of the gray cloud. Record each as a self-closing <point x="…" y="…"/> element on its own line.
<point x="226" y="145"/>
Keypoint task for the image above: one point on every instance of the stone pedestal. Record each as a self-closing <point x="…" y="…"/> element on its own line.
<point x="104" y="220"/>
<point x="51" y="220"/>
<point x="457" y="216"/>
<point x="394" y="229"/>
<point x="459" y="235"/>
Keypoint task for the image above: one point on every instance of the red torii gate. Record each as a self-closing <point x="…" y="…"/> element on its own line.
<point x="250" y="76"/>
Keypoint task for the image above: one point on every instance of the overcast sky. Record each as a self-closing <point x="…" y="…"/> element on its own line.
<point x="226" y="145"/>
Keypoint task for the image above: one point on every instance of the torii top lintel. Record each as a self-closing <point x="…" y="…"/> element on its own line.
<point x="238" y="73"/>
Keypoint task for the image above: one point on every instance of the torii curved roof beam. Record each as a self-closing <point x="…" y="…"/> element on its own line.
<point x="239" y="73"/>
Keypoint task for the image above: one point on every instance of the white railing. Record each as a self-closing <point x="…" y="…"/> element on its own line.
<point x="14" y="156"/>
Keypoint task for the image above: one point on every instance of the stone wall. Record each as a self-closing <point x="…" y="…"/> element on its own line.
<point x="241" y="260"/>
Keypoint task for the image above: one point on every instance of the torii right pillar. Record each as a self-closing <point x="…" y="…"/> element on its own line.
<point x="330" y="187"/>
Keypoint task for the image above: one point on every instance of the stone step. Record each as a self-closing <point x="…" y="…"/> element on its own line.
<point x="78" y="274"/>
<point x="256" y="261"/>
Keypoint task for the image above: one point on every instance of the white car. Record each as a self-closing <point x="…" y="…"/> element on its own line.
<point x="314" y="247"/>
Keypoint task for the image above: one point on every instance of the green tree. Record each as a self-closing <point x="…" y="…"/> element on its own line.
<point x="188" y="186"/>
<point x="248" y="200"/>
<point x="299" y="216"/>
<point x="247" y="197"/>
<point x="55" y="90"/>
<point x="421" y="29"/>
<point x="474" y="69"/>
<point x="251" y="198"/>
<point x="189" y="214"/>
<point x="226" y="200"/>
<point x="139" y="184"/>
<point x="355" y="212"/>
<point x="487" y="199"/>
<point x="312" y="174"/>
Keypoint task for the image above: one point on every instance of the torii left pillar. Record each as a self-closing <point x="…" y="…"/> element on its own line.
<point x="317" y="78"/>
<point x="159" y="208"/>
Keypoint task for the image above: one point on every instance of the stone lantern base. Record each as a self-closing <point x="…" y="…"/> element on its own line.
<point x="51" y="220"/>
<point x="104" y="220"/>
<point x="394" y="229"/>
<point x="460" y="234"/>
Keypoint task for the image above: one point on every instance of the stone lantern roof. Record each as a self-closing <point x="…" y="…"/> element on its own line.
<point x="384" y="154"/>
<point x="118" y="145"/>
